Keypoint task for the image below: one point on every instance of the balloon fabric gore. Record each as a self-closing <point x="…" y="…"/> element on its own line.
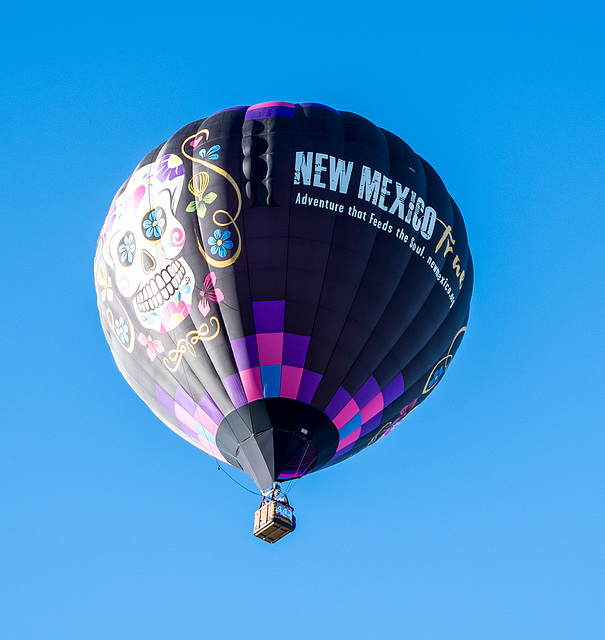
<point x="282" y="284"/>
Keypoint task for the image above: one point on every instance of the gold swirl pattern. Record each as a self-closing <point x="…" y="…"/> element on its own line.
<point x="220" y="217"/>
<point x="187" y="344"/>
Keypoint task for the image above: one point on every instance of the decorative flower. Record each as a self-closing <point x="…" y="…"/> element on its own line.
<point x="104" y="281"/>
<point x="198" y="185"/>
<point x="174" y="314"/>
<point x="436" y="377"/>
<point x="170" y="167"/>
<point x="154" y="223"/>
<point x="126" y="249"/>
<point x="408" y="407"/>
<point x="395" y="422"/>
<point x="122" y="330"/>
<point x="209" y="293"/>
<point x="153" y="346"/>
<point x="219" y="242"/>
<point x="210" y="154"/>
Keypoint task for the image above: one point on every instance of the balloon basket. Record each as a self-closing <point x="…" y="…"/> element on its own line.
<point x="274" y="520"/>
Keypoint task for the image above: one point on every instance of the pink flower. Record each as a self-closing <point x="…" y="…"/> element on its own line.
<point x="209" y="292"/>
<point x="153" y="346"/>
<point x="173" y="315"/>
<point x="404" y="412"/>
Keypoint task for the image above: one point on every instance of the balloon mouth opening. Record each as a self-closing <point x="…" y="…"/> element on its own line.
<point x="277" y="439"/>
<point x="301" y="462"/>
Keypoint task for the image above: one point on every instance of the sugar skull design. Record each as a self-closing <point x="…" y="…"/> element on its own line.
<point x="143" y="241"/>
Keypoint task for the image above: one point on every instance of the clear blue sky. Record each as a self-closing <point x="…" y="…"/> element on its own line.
<point x="482" y="515"/>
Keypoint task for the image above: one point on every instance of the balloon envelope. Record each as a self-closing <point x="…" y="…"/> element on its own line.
<point x="282" y="284"/>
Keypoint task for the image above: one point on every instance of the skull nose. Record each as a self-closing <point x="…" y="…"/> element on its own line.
<point x="148" y="261"/>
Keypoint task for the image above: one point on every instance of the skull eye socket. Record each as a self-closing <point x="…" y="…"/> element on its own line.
<point x="127" y="249"/>
<point x="154" y="224"/>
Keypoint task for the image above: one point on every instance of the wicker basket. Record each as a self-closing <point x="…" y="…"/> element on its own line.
<point x="273" y="521"/>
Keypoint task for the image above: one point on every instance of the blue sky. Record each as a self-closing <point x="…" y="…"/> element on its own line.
<point x="482" y="515"/>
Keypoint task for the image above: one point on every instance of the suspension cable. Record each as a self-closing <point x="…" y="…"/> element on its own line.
<point x="236" y="482"/>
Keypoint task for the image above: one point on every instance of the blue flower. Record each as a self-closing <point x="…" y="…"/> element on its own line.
<point x="436" y="377"/>
<point x="122" y="330"/>
<point x="154" y="223"/>
<point x="126" y="249"/>
<point x="210" y="154"/>
<point x="219" y="242"/>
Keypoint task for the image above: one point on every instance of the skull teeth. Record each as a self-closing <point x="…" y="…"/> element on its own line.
<point x="160" y="288"/>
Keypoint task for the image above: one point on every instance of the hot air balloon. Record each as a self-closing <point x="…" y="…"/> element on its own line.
<point x="282" y="284"/>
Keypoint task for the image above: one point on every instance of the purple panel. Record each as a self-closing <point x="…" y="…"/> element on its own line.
<point x="393" y="390"/>
<point x="164" y="399"/>
<point x="233" y="387"/>
<point x="185" y="400"/>
<point x="295" y="349"/>
<point x="269" y="316"/>
<point x="207" y="404"/>
<point x="245" y="352"/>
<point x="270" y="110"/>
<point x="340" y="399"/>
<point x="369" y="391"/>
<point x="371" y="424"/>
<point x="308" y="386"/>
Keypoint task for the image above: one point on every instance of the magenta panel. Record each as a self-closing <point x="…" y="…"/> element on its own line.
<point x="184" y="417"/>
<point x="349" y="440"/>
<point x="183" y="398"/>
<point x="270" y="348"/>
<point x="346" y="413"/>
<point x="251" y="379"/>
<point x="206" y="421"/>
<point x="290" y="381"/>
<point x="373" y="407"/>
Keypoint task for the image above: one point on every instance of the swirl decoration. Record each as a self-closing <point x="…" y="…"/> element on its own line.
<point x="187" y="344"/>
<point x="220" y="217"/>
<point x="444" y="362"/>
<point x="177" y="237"/>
